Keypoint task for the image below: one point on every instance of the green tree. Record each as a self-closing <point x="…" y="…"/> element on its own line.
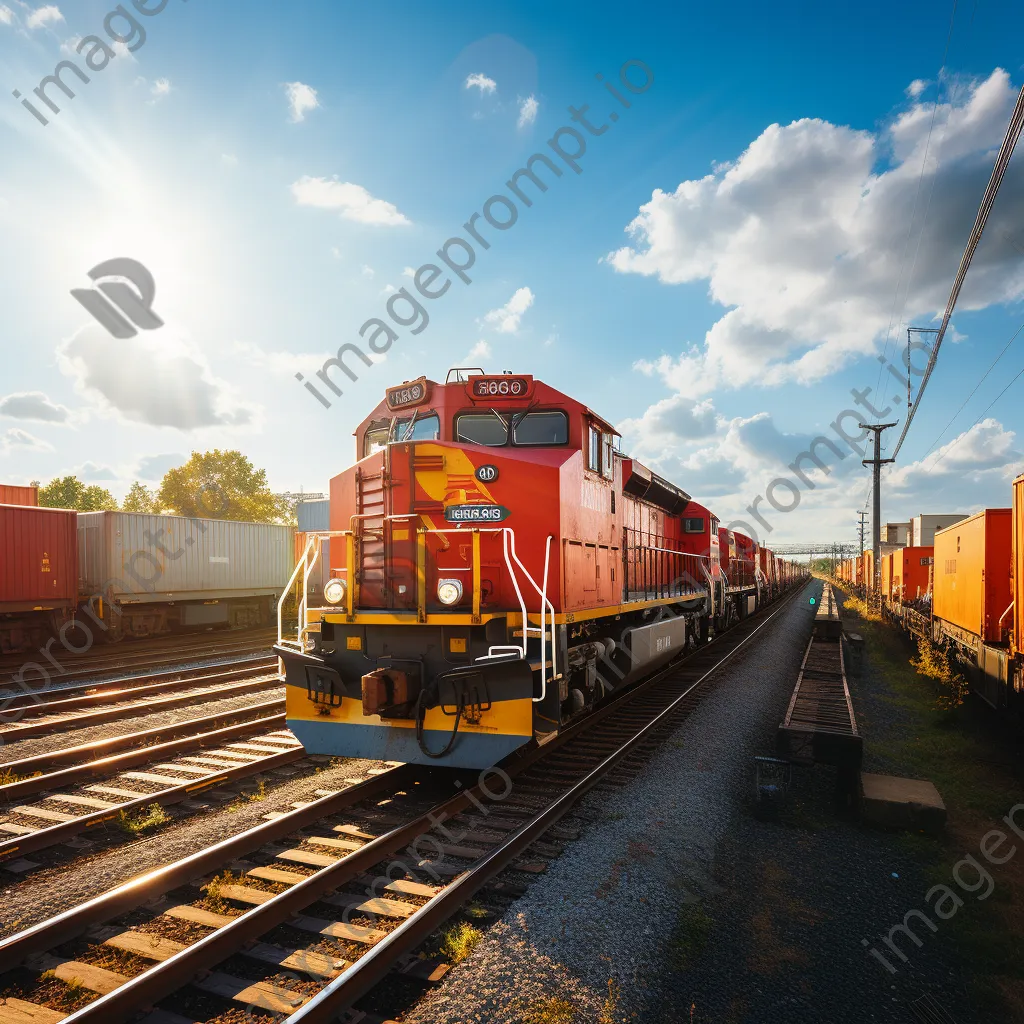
<point x="222" y="485"/>
<point x="140" y="499"/>
<point x="70" y="492"/>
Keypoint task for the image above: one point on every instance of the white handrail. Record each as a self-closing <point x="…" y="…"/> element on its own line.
<point x="545" y="606"/>
<point x="303" y="626"/>
<point x="291" y="582"/>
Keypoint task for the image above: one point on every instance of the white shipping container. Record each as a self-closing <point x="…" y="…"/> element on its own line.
<point x="137" y="558"/>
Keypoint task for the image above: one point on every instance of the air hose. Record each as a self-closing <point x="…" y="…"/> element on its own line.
<point x="420" y="716"/>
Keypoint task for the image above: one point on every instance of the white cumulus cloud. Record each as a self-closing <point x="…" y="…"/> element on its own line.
<point x="154" y="467"/>
<point x="301" y="98"/>
<point x="6" y="15"/>
<point x="506" y="318"/>
<point x="32" y="405"/>
<point x="481" y="350"/>
<point x="21" y="440"/>
<point x="162" y="381"/>
<point x="982" y="458"/>
<point x="353" y="202"/>
<point x="482" y="82"/>
<point x="801" y="239"/>
<point x="527" y="111"/>
<point x="43" y="16"/>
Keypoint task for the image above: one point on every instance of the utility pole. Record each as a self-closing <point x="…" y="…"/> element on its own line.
<point x="863" y="515"/>
<point x="876" y="500"/>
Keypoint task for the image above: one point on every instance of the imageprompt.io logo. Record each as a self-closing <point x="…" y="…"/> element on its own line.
<point x="119" y="307"/>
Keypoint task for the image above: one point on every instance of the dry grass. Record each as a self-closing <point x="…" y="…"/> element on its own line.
<point x="243" y="799"/>
<point x="459" y="941"/>
<point x="144" y="822"/>
<point x="933" y="662"/>
<point x="552" y="1010"/>
<point x="214" y="899"/>
<point x="862" y="608"/>
<point x="611" y="1002"/>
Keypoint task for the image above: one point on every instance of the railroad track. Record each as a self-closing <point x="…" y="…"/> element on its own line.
<point x="173" y="771"/>
<point x="318" y="905"/>
<point x="144" y="653"/>
<point x="109" y="705"/>
<point x="154" y="682"/>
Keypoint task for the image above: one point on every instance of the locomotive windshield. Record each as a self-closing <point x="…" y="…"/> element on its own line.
<point x="425" y="427"/>
<point x="541" y="428"/>
<point x="533" y="429"/>
<point x="487" y="428"/>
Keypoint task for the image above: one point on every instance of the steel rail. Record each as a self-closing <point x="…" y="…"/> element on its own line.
<point x="113" y="764"/>
<point x="166" y="977"/>
<point x="32" y="707"/>
<point x="82" y="719"/>
<point x="112" y="744"/>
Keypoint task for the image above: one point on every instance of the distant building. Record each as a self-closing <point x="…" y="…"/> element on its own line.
<point x="923" y="527"/>
<point x="897" y="534"/>
<point x="296" y="496"/>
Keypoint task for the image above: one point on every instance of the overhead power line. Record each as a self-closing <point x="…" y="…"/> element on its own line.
<point x="987" y="201"/>
<point x="984" y="376"/>
<point x="984" y="413"/>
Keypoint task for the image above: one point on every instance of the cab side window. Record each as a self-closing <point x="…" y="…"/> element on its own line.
<point x="600" y="447"/>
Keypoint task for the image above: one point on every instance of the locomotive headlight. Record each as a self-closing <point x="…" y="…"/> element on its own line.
<point x="449" y="591"/>
<point x="334" y="591"/>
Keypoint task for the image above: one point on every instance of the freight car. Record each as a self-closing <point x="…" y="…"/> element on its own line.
<point x="149" y="574"/>
<point x="14" y="494"/>
<point x="38" y="574"/>
<point x="496" y="567"/>
<point x="973" y="598"/>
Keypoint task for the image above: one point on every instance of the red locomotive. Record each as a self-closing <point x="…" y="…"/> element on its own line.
<point x="496" y="566"/>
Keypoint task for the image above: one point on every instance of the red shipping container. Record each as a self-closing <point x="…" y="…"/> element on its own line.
<point x="39" y="561"/>
<point x="910" y="571"/>
<point x="12" y="494"/>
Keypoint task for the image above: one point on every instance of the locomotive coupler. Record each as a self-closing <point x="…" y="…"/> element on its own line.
<point x="391" y="692"/>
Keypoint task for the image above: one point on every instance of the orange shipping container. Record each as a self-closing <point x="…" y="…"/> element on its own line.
<point x="910" y="568"/>
<point x="972" y="573"/>
<point x="10" y="494"/>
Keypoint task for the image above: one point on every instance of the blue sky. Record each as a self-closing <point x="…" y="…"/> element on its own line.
<point x="799" y="182"/>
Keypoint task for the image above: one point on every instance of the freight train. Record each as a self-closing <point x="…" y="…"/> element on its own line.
<point x="121" y="574"/>
<point x="495" y="567"/>
<point x="965" y="593"/>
